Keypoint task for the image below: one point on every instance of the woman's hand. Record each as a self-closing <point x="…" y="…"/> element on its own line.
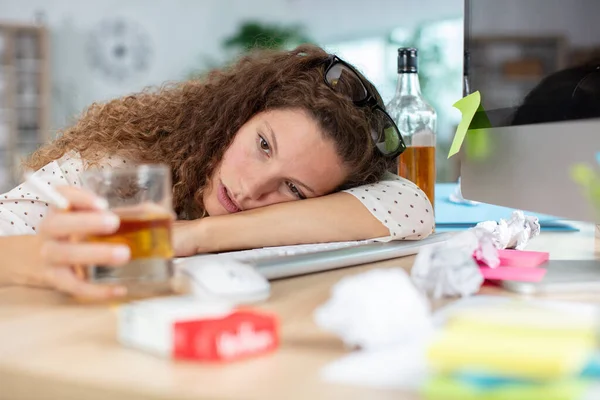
<point x="63" y="252"/>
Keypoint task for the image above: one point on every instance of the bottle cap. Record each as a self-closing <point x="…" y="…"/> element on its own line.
<point x="407" y="60"/>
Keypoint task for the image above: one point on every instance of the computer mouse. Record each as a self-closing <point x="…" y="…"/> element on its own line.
<point x="222" y="279"/>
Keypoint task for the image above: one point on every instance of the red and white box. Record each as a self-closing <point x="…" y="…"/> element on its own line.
<point x="184" y="328"/>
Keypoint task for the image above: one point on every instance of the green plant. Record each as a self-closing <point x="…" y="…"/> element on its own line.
<point x="588" y="179"/>
<point x="254" y="35"/>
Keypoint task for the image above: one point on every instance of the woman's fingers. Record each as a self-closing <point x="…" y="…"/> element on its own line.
<point x="80" y="199"/>
<point x="81" y="253"/>
<point x="87" y="215"/>
<point x="60" y="224"/>
<point x="65" y="281"/>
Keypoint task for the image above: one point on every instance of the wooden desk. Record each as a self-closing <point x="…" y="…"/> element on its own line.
<point x="52" y="348"/>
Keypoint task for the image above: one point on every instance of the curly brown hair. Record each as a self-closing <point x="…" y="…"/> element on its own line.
<point x="189" y="125"/>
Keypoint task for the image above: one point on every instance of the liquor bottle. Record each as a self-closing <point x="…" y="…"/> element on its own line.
<point x="416" y="120"/>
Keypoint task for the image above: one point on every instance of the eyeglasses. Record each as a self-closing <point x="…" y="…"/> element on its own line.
<point x="343" y="78"/>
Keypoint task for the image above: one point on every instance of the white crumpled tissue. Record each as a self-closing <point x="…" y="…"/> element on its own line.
<point x="385" y="306"/>
<point x="514" y="233"/>
<point x="450" y="268"/>
<point x="375" y="309"/>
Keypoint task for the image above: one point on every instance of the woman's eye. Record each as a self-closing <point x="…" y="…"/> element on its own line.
<point x="295" y="191"/>
<point x="264" y="145"/>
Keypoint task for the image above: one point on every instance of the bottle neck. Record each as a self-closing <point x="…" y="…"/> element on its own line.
<point x="466" y="86"/>
<point x="408" y="84"/>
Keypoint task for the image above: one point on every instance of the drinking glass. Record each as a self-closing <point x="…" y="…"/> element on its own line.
<point x="141" y="196"/>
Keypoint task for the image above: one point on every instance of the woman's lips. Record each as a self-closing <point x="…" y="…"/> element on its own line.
<point x="225" y="200"/>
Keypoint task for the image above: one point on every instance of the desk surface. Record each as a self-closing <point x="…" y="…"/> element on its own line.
<point x="51" y="347"/>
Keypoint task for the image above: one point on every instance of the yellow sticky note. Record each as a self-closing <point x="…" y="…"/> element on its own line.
<point x="510" y="354"/>
<point x="473" y="117"/>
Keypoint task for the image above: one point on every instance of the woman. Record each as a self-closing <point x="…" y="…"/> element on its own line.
<point x="243" y="144"/>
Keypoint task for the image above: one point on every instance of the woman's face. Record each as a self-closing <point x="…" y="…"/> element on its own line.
<point x="277" y="156"/>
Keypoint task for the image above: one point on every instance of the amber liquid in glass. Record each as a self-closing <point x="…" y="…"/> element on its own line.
<point x="147" y="236"/>
<point x="150" y="268"/>
<point x="417" y="164"/>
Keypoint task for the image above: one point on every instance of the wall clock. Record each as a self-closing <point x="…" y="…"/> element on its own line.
<point x="119" y="49"/>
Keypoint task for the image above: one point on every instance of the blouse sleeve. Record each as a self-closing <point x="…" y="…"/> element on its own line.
<point x="400" y="205"/>
<point x="22" y="208"/>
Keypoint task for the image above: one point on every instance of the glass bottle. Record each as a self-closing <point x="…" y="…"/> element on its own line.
<point x="466" y="73"/>
<point x="417" y="122"/>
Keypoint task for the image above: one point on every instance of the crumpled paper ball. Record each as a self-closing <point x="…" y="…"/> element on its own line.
<point x="449" y="269"/>
<point x="475" y="241"/>
<point x="486" y="251"/>
<point x="514" y="233"/>
<point x="375" y="309"/>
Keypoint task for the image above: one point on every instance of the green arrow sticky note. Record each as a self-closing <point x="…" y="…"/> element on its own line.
<point x="473" y="117"/>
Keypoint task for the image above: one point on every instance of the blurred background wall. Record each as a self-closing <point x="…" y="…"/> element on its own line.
<point x="98" y="50"/>
<point x="140" y="43"/>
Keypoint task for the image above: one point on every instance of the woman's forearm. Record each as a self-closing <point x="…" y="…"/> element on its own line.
<point x="395" y="208"/>
<point x="336" y="217"/>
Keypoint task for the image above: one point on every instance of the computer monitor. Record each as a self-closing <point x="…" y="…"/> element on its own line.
<point x="536" y="64"/>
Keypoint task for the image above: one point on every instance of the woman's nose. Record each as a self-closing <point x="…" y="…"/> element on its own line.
<point x="255" y="187"/>
<point x="260" y="192"/>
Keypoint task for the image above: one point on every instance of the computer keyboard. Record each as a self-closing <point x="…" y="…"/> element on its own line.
<point x="255" y="255"/>
<point x="286" y="261"/>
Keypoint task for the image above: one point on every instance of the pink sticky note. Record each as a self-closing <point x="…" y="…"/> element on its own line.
<point x="521" y="258"/>
<point x="524" y="274"/>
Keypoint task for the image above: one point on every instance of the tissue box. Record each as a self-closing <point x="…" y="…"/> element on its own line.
<point x="185" y="328"/>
